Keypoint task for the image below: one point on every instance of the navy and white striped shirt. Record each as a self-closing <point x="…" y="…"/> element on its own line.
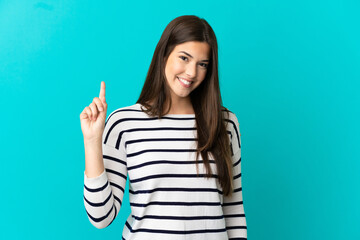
<point x="167" y="198"/>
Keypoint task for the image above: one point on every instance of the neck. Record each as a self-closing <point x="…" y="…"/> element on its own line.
<point x="180" y="106"/>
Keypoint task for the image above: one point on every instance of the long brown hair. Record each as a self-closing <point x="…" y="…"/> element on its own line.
<point x="206" y="99"/>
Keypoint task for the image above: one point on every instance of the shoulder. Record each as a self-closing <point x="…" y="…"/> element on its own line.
<point x="117" y="121"/>
<point x="231" y="119"/>
<point x="124" y="112"/>
<point x="233" y="128"/>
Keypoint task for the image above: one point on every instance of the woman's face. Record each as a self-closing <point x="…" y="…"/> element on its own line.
<point x="186" y="68"/>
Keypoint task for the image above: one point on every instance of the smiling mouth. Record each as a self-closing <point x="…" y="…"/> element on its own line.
<point x="184" y="82"/>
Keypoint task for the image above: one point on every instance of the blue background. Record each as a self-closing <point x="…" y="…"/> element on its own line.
<point x="290" y="70"/>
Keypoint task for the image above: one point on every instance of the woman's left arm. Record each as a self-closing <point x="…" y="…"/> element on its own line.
<point x="233" y="207"/>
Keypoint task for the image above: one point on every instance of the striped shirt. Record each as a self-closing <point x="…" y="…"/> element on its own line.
<point x="167" y="198"/>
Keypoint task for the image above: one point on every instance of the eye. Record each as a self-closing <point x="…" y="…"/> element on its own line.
<point x="204" y="65"/>
<point x="183" y="57"/>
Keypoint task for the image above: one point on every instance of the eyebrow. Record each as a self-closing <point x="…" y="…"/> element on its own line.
<point x="205" y="60"/>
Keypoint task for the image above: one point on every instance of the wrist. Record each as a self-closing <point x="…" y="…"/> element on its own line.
<point x="92" y="141"/>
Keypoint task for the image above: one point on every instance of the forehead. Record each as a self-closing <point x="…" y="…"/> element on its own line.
<point x="200" y="50"/>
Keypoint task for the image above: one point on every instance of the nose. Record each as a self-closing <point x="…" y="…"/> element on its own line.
<point x="191" y="70"/>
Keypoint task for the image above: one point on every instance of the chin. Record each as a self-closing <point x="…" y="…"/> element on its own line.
<point x="183" y="95"/>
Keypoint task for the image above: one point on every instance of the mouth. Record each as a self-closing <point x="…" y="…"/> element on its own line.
<point x="184" y="82"/>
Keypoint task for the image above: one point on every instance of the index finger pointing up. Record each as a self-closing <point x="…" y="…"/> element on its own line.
<point x="102" y="91"/>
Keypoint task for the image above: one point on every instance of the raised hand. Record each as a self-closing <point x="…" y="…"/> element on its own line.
<point x="93" y="117"/>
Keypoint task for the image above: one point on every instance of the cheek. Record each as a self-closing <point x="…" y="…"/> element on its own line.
<point x="177" y="67"/>
<point x="173" y="68"/>
<point x="202" y="75"/>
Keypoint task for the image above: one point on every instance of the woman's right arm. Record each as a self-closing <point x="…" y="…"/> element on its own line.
<point x="103" y="188"/>
<point x="92" y="120"/>
<point x="94" y="164"/>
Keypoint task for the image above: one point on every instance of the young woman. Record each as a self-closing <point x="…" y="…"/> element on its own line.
<point x="178" y="145"/>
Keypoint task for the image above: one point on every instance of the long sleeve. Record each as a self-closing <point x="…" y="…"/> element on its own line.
<point x="233" y="207"/>
<point x="103" y="194"/>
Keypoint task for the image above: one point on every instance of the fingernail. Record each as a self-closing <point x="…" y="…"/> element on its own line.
<point x="101" y="109"/>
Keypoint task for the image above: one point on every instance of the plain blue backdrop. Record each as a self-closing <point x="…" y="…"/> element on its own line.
<point x="288" y="69"/>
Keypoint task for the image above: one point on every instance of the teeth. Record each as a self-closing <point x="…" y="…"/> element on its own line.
<point x="184" y="81"/>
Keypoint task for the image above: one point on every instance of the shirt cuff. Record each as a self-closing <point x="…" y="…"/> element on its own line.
<point x="95" y="182"/>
